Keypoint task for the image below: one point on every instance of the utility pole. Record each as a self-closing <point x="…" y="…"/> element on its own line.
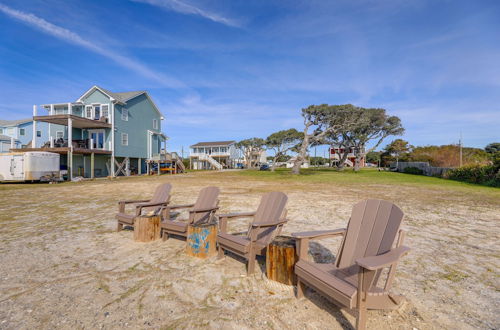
<point x="460" y="145"/>
<point x="182" y="152"/>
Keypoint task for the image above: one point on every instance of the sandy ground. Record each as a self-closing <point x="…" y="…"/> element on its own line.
<point x="64" y="266"/>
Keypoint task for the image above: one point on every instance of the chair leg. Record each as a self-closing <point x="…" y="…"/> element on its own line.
<point x="300" y="289"/>
<point x="361" y="301"/>
<point x="220" y="252"/>
<point x="251" y="264"/>
<point x="164" y="236"/>
<point x="361" y="319"/>
<point x="119" y="226"/>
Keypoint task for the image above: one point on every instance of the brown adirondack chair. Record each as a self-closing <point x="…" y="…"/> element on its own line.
<point x="160" y="200"/>
<point x="267" y="222"/>
<point x="202" y="211"/>
<point x="366" y="249"/>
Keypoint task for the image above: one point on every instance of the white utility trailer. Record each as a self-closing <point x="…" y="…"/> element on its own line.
<point x="29" y="166"/>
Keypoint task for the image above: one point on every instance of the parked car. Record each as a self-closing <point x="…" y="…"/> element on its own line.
<point x="264" y="167"/>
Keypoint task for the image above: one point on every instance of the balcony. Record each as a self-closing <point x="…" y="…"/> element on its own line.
<point x="60" y="146"/>
<point x="213" y="154"/>
<point x="77" y="121"/>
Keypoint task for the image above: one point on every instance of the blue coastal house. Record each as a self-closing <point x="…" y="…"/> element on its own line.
<point x="19" y="133"/>
<point x="102" y="133"/>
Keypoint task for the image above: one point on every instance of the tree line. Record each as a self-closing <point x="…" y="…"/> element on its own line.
<point x="345" y="126"/>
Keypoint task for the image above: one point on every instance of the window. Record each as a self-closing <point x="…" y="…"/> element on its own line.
<point x="10" y="131"/>
<point x="1" y="130"/>
<point x="59" y="134"/>
<point x="155" y="123"/>
<point x="21" y="131"/>
<point x="39" y="133"/>
<point x="97" y="112"/>
<point x="88" y="111"/>
<point x="124" y="139"/>
<point x="105" y="110"/>
<point x="125" y="114"/>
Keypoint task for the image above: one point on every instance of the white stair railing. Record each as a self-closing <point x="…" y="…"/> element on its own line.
<point x="212" y="161"/>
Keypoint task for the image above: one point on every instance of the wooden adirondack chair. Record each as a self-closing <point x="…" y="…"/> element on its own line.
<point x="160" y="200"/>
<point x="366" y="249"/>
<point x="268" y="221"/>
<point x="200" y="212"/>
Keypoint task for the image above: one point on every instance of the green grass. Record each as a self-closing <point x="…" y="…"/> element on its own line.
<point x="364" y="176"/>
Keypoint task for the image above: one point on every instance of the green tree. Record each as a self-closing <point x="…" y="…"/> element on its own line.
<point x="492" y="148"/>
<point x="398" y="148"/>
<point x="372" y="124"/>
<point x="282" y="142"/>
<point x="373" y="157"/>
<point x="322" y="123"/>
<point x="250" y="147"/>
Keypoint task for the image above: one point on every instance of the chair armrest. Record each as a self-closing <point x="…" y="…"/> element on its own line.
<point x="319" y="233"/>
<point x="141" y="205"/>
<point x="204" y="209"/>
<point x="383" y="260"/>
<point x="183" y="206"/>
<point x="269" y="224"/>
<point x="134" y="201"/>
<point x="237" y="215"/>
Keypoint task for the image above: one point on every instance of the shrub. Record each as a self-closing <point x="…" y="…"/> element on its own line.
<point x="486" y="175"/>
<point x="413" y="170"/>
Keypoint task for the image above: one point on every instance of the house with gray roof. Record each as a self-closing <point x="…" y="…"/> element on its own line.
<point x="19" y="133"/>
<point x="102" y="133"/>
<point x="214" y="155"/>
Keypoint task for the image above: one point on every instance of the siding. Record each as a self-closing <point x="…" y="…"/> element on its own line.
<point x="140" y="119"/>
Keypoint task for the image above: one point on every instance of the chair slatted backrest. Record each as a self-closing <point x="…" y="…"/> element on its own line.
<point x="371" y="231"/>
<point x="271" y="209"/>
<point x="161" y="195"/>
<point x="208" y="198"/>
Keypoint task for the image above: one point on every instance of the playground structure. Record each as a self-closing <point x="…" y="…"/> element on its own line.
<point x="166" y="162"/>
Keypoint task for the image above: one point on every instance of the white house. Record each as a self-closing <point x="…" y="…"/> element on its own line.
<point x="214" y="155"/>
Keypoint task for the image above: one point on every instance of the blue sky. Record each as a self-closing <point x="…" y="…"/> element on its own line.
<point x="235" y="69"/>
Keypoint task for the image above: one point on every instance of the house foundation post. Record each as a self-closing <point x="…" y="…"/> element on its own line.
<point x="139" y="163"/>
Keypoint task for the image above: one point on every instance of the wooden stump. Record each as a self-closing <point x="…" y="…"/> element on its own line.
<point x="146" y="228"/>
<point x="202" y="240"/>
<point x="281" y="257"/>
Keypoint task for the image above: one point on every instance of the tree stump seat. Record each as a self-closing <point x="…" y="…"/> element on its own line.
<point x="202" y="240"/>
<point x="146" y="228"/>
<point x="281" y="256"/>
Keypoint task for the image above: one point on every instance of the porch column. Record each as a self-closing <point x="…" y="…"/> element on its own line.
<point x="12" y="143"/>
<point x="112" y="118"/>
<point x="33" y="139"/>
<point x="70" y="109"/>
<point x="70" y="149"/>
<point x="147" y="167"/>
<point x="139" y="169"/>
<point x="92" y="159"/>
<point x="127" y="166"/>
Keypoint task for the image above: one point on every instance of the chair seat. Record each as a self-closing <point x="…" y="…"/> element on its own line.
<point x="329" y="280"/>
<point x="176" y="226"/>
<point x="125" y="218"/>
<point x="234" y="242"/>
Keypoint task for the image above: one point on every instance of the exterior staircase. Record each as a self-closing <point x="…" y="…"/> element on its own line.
<point x="349" y="163"/>
<point x="178" y="162"/>
<point x="215" y="164"/>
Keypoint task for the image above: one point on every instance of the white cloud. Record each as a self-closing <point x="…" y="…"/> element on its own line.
<point x="74" y="38"/>
<point x="186" y="8"/>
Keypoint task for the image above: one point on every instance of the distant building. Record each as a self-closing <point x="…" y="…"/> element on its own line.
<point x="21" y="131"/>
<point x="256" y="158"/>
<point x="215" y="155"/>
<point x="337" y="153"/>
<point x="291" y="161"/>
<point x="102" y="133"/>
